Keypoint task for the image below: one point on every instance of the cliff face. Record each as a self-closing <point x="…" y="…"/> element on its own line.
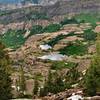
<point x="73" y="6"/>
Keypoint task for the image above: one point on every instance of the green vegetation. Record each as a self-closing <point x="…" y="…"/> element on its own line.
<point x="22" y="81"/>
<point x="89" y="35"/>
<point x="77" y="48"/>
<point x="5" y="81"/>
<point x="37" y="79"/>
<point x="54" y="84"/>
<point x="13" y="38"/>
<point x="58" y="65"/>
<point x="6" y="12"/>
<point x="55" y="40"/>
<point x="92" y="77"/>
<point x="90" y="17"/>
<point x="52" y="28"/>
<point x="69" y="21"/>
<point x="36" y="87"/>
<point x="72" y="75"/>
<point x="36" y="29"/>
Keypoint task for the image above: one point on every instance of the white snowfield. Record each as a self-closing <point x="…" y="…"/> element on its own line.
<point x="53" y="57"/>
<point x="45" y="47"/>
<point x="75" y="97"/>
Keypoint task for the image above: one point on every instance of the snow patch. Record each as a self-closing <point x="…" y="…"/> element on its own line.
<point x="45" y="47"/>
<point x="53" y="57"/>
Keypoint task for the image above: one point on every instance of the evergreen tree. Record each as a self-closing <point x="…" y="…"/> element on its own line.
<point x="73" y="75"/>
<point x="36" y="87"/>
<point x="47" y="86"/>
<point x="54" y="84"/>
<point x="92" y="78"/>
<point x="5" y="81"/>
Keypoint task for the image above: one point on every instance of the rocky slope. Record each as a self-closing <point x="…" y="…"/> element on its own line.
<point x="73" y="6"/>
<point x="61" y="7"/>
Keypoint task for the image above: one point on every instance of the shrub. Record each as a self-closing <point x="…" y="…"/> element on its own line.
<point x="89" y="35"/>
<point x="69" y="21"/>
<point x="60" y="65"/>
<point x="92" y="77"/>
<point x="13" y="38"/>
<point x="52" y="28"/>
<point x="74" y="49"/>
<point x="36" y="29"/>
<point x="5" y="80"/>
<point x="72" y="75"/>
<point x="55" y="40"/>
<point x="54" y="84"/>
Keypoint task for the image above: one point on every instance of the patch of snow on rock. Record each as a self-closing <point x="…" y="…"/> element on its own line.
<point x="53" y="57"/>
<point x="75" y="97"/>
<point x="45" y="47"/>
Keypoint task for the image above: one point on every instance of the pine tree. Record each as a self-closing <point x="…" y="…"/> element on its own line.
<point x="92" y="78"/>
<point x="36" y="87"/>
<point x="54" y="84"/>
<point x="5" y="81"/>
<point x="73" y="75"/>
<point x="47" y="86"/>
